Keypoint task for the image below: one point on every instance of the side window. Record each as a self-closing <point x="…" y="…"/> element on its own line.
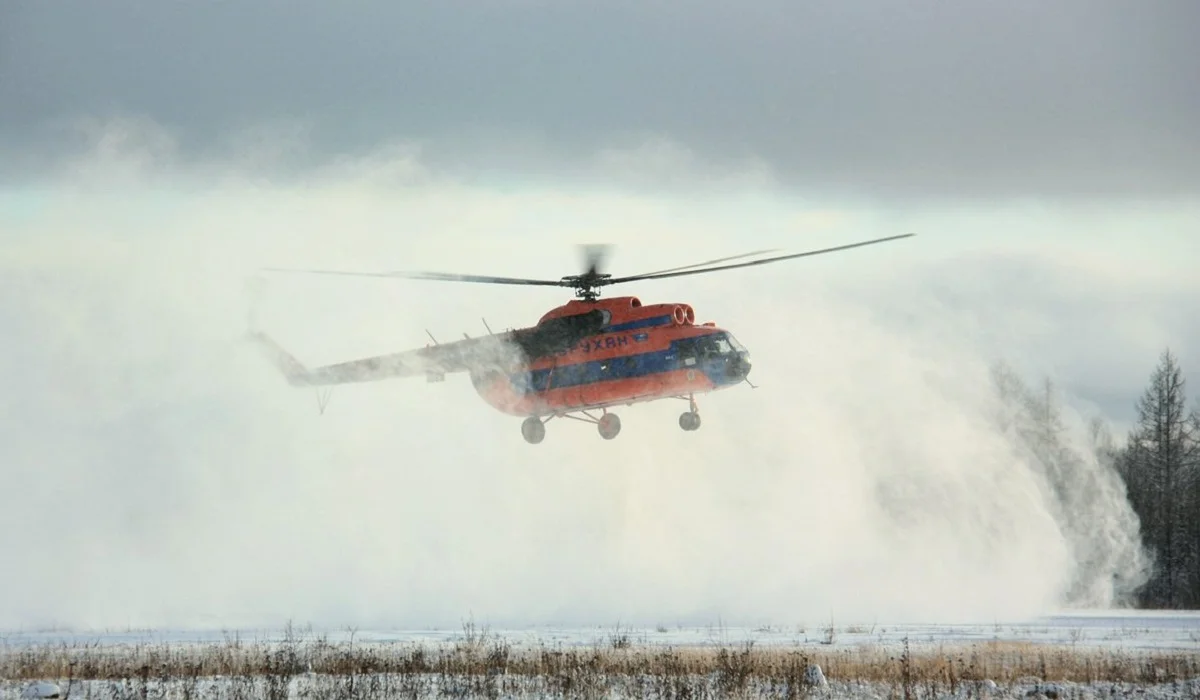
<point x="687" y="351"/>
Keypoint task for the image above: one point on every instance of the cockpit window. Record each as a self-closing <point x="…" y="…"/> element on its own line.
<point x="709" y="346"/>
<point x="713" y="345"/>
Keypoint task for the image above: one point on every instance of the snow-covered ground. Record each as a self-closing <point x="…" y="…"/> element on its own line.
<point x="1117" y="629"/>
<point x="1125" y="636"/>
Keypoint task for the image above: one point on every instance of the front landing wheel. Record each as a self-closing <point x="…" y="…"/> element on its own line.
<point x="689" y="421"/>
<point x="609" y="425"/>
<point x="533" y="430"/>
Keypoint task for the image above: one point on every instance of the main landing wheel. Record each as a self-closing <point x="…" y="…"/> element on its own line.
<point x="689" y="421"/>
<point x="533" y="430"/>
<point x="609" y="425"/>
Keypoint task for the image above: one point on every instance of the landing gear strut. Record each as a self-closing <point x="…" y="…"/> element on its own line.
<point x="533" y="428"/>
<point x="691" y="420"/>
<point x="608" y="424"/>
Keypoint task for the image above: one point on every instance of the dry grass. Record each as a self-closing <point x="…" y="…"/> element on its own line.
<point x="480" y="666"/>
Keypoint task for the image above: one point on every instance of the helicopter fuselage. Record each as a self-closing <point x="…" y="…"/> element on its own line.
<point x="638" y="353"/>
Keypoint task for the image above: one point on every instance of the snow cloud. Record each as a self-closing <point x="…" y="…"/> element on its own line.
<point x="166" y="474"/>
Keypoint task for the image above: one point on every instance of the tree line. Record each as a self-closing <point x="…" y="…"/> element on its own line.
<point x="1129" y="509"/>
<point x="1160" y="466"/>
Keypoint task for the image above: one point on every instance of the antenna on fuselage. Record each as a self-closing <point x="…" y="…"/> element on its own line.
<point x="485" y="325"/>
<point x="435" y="342"/>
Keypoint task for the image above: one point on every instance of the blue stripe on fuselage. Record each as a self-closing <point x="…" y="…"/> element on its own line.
<point x="620" y="367"/>
<point x="641" y="323"/>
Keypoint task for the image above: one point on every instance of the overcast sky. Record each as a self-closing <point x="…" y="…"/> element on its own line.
<point x="1079" y="116"/>
<point x="155" y="154"/>
<point x="1026" y="99"/>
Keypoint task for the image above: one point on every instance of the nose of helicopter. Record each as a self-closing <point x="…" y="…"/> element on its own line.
<point x="738" y="367"/>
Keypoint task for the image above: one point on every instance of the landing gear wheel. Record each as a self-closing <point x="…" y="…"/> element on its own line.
<point x="609" y="425"/>
<point x="689" y="421"/>
<point x="533" y="430"/>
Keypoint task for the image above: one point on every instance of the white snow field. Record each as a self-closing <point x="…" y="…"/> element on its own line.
<point x="1105" y="629"/>
<point x="1076" y="654"/>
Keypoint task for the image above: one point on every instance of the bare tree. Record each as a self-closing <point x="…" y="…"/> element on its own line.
<point x="1046" y="437"/>
<point x="1193" y="507"/>
<point x="1159" y="467"/>
<point x="1103" y="444"/>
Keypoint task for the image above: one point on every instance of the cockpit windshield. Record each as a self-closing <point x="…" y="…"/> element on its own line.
<point x="714" y="345"/>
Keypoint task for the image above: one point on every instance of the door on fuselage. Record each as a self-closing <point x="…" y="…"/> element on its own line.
<point x="603" y="384"/>
<point x="566" y="384"/>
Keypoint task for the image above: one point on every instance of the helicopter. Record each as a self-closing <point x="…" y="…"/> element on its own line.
<point x="580" y="360"/>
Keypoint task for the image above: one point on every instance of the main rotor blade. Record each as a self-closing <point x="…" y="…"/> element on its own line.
<point x="708" y="262"/>
<point x="442" y="276"/>
<point x="651" y="276"/>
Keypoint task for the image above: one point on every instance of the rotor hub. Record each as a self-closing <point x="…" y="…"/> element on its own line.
<point x="587" y="286"/>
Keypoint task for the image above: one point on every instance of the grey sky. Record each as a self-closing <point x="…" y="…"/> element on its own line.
<point x="940" y="99"/>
